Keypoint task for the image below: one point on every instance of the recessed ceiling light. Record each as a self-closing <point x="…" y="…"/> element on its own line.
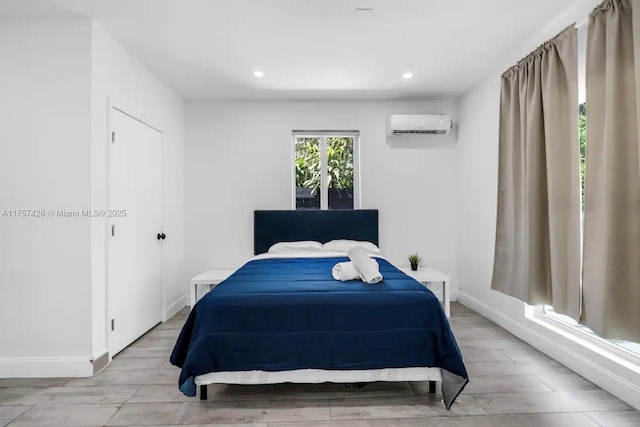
<point x="258" y="73"/>
<point x="407" y="75"/>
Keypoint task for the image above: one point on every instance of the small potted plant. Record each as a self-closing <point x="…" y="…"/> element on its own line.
<point x="414" y="260"/>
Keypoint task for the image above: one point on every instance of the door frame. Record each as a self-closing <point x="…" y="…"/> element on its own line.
<point x="122" y="108"/>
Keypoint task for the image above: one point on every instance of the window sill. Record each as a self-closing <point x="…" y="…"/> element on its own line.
<point x="590" y="342"/>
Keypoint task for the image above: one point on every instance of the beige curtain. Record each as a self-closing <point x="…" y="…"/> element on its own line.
<point x="635" y="6"/>
<point x="537" y="255"/>
<point x="611" y="271"/>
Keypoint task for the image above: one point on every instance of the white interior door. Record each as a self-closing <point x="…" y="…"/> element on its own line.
<point x="135" y="240"/>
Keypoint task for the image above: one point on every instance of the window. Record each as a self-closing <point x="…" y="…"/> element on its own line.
<point x="548" y="313"/>
<point x="325" y="170"/>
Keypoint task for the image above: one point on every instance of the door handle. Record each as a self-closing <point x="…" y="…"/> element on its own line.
<point x="162" y="236"/>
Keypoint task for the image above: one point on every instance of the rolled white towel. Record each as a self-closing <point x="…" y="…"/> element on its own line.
<point x="344" y="271"/>
<point x="367" y="267"/>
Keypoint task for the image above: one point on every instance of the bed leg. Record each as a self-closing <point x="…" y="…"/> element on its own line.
<point x="432" y="387"/>
<point x="203" y="392"/>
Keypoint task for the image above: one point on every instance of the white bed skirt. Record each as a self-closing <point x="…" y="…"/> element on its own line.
<point x="312" y="376"/>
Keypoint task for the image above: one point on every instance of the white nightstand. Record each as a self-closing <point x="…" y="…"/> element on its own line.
<point x="426" y="275"/>
<point x="211" y="278"/>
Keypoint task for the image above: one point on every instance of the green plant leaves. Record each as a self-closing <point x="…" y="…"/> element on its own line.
<point x="339" y="163"/>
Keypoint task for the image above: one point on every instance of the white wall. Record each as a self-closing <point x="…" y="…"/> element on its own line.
<point x="476" y="200"/>
<point x="55" y="81"/>
<point x="477" y="181"/>
<point x="45" y="265"/>
<point x="120" y="78"/>
<point x="238" y="158"/>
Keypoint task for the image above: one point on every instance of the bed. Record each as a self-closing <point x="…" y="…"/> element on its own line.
<point x="283" y="318"/>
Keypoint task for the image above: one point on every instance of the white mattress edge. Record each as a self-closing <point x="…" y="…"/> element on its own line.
<point x="319" y="254"/>
<point x="313" y="376"/>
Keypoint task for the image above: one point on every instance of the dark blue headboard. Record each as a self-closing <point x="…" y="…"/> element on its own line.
<point x="270" y="227"/>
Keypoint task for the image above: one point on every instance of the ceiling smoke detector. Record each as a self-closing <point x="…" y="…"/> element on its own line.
<point x="364" y="11"/>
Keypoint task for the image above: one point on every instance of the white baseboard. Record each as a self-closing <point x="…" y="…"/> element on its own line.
<point x="45" y="367"/>
<point x="608" y="374"/>
<point x="174" y="307"/>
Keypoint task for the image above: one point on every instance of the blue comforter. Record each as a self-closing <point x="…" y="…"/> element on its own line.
<point x="289" y="313"/>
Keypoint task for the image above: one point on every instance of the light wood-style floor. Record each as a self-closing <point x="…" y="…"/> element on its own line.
<point x="511" y="385"/>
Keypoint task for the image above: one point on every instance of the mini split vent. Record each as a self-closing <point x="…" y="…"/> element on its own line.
<point x="418" y="132"/>
<point x="418" y="124"/>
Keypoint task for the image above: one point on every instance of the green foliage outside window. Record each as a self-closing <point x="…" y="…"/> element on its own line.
<point x="339" y="163"/>
<point x="308" y="172"/>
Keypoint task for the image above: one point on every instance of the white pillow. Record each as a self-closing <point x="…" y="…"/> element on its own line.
<point x="347" y="245"/>
<point x="301" y="246"/>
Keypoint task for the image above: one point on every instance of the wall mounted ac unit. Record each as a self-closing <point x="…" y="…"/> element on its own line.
<point x="418" y="124"/>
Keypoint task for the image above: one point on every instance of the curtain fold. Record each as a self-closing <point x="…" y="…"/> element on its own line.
<point x="537" y="254"/>
<point x="611" y="268"/>
<point x="635" y="9"/>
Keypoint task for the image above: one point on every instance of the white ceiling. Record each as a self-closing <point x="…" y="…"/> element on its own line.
<point x="10" y="9"/>
<point x="312" y="49"/>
